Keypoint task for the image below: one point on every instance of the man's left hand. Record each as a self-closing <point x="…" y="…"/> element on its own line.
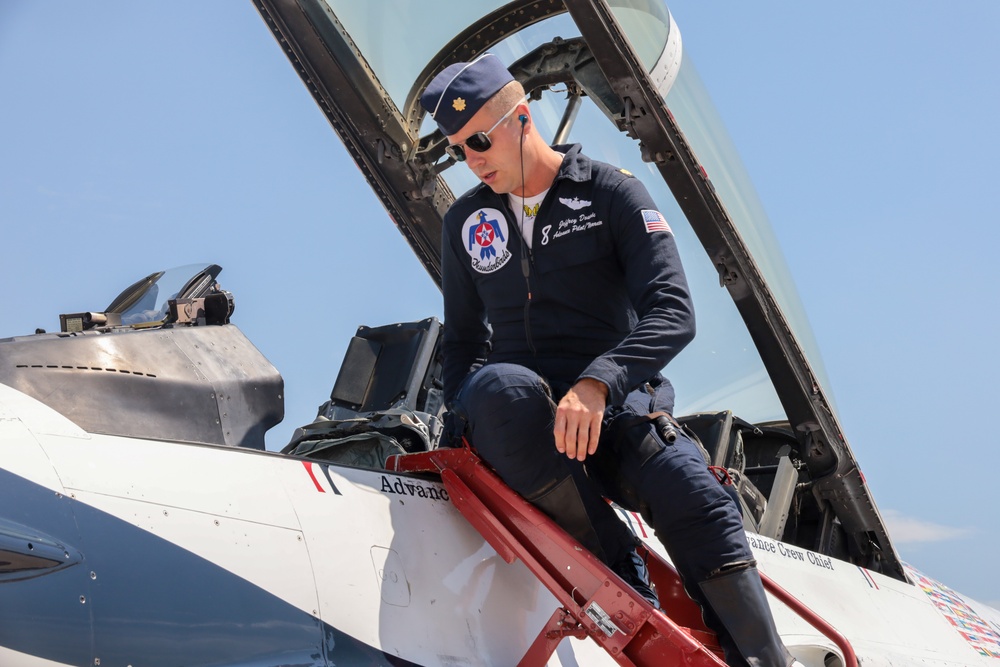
<point x="578" y="418"/>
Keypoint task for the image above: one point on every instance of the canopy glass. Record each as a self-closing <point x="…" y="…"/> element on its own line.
<point x="721" y="369"/>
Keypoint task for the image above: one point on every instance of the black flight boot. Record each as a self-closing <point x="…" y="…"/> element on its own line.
<point x="566" y="506"/>
<point x="748" y="635"/>
<point x="632" y="569"/>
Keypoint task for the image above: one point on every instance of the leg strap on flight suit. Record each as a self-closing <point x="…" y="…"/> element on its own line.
<point x="623" y="432"/>
<point x="626" y="435"/>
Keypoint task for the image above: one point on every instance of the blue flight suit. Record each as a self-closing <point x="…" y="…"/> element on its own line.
<point x="609" y="301"/>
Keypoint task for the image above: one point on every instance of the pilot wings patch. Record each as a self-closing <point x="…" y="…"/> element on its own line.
<point x="575" y="203"/>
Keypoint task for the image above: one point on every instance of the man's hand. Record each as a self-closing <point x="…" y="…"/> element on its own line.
<point x="578" y="418"/>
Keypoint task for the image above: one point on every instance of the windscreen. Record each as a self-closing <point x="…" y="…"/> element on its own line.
<point x="151" y="305"/>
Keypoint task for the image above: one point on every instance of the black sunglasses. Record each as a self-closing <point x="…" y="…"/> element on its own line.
<point x="479" y="142"/>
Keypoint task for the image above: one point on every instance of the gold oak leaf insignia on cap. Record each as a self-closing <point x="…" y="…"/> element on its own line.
<point x="458" y="104"/>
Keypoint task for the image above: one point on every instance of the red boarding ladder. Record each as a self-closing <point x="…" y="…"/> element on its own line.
<point x="594" y="601"/>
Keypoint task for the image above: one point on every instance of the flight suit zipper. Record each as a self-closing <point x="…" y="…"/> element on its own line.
<point x="527" y="262"/>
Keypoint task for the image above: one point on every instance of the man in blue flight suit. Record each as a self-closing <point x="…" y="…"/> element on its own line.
<point x="558" y="319"/>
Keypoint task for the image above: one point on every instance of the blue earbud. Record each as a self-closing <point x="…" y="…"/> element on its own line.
<point x="523" y="118"/>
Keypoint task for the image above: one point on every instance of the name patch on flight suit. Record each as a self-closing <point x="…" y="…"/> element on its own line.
<point x="576" y="224"/>
<point x="582" y="221"/>
<point x="485" y="236"/>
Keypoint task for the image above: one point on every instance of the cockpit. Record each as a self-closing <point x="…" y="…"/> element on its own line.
<point x="159" y="362"/>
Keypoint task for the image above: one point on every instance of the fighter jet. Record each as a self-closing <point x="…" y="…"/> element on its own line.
<point x="142" y="522"/>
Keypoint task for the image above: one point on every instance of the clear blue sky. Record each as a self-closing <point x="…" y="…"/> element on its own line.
<point x="140" y="136"/>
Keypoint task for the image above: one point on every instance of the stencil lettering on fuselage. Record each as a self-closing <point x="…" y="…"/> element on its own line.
<point x="408" y="487"/>
<point x="770" y="546"/>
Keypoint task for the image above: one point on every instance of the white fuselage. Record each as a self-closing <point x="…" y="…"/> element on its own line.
<point x="387" y="560"/>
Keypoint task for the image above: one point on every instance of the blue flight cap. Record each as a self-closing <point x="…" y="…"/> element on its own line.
<point x="455" y="95"/>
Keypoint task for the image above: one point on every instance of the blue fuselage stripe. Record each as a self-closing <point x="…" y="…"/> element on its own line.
<point x="136" y="598"/>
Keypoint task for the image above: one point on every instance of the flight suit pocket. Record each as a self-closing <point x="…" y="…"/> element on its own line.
<point x="574" y="244"/>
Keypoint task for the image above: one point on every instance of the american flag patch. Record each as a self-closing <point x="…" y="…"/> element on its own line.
<point x="654" y="221"/>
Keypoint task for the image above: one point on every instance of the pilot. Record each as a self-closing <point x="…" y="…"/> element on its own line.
<point x="564" y="296"/>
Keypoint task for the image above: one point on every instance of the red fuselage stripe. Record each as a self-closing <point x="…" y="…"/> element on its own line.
<point x="309" y="469"/>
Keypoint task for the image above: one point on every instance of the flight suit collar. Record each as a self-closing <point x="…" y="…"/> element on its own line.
<point x="575" y="165"/>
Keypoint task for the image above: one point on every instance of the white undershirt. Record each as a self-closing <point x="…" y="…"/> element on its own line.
<point x="526" y="212"/>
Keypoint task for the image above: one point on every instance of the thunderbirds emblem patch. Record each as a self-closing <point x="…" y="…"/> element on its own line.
<point x="654" y="221"/>
<point x="485" y="237"/>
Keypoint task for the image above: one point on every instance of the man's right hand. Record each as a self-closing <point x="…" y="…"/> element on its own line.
<point x="578" y="418"/>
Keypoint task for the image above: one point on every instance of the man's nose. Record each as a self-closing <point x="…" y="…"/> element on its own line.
<point x="474" y="158"/>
